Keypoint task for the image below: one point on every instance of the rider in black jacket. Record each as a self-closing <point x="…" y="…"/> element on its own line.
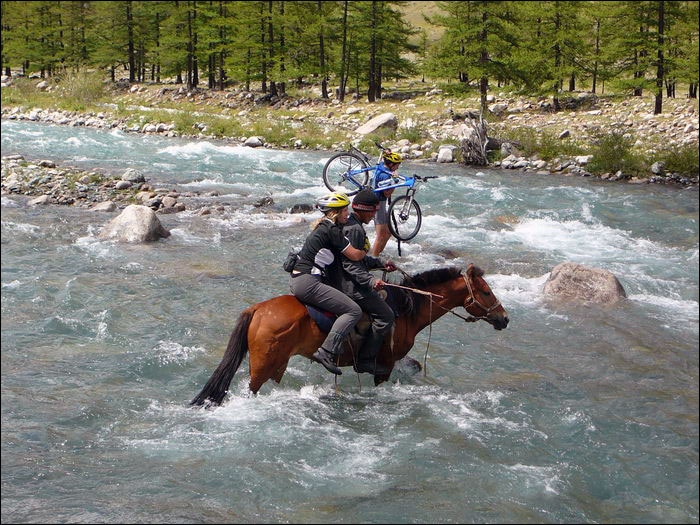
<point x="361" y="286"/>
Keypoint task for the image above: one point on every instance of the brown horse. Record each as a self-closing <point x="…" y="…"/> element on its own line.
<point x="275" y="330"/>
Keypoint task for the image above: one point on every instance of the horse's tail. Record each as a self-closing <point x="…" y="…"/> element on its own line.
<point x="217" y="386"/>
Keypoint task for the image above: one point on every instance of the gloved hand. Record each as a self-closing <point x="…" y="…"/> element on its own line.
<point x="389" y="266"/>
<point x="377" y="284"/>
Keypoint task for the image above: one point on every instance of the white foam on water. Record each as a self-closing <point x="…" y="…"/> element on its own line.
<point x="27" y="132"/>
<point x="187" y="237"/>
<point x="168" y="352"/>
<point x="669" y="305"/>
<point x="195" y="149"/>
<point x="311" y="193"/>
<point x="75" y="141"/>
<point x="94" y="246"/>
<point x="499" y="194"/>
<point x="102" y="327"/>
<point x="514" y="288"/>
<point x="12" y="284"/>
<point x="241" y="219"/>
<point x="218" y="181"/>
<point x="165" y="165"/>
<point x="20" y="227"/>
<point x="8" y="203"/>
<point x="579" y="241"/>
<point x="546" y="477"/>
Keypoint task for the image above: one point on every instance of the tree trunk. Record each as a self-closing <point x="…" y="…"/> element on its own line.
<point x="130" y="37"/>
<point x="557" y="60"/>
<point x="195" y="62"/>
<point x="658" y="102"/>
<point x="283" y="52"/>
<point x="597" y="54"/>
<point x="372" y="55"/>
<point x="262" y="49"/>
<point x="222" y="54"/>
<point x="211" y="67"/>
<point x="271" y="47"/>
<point x="483" y="60"/>
<point x="572" y="82"/>
<point x="343" y="56"/>
<point x="247" y="71"/>
<point x="322" y="52"/>
<point x="474" y="146"/>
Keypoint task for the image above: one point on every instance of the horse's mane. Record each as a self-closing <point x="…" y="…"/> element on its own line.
<point x="409" y="303"/>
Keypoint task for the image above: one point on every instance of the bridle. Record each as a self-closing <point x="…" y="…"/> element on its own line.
<point x="473" y="300"/>
<point x="469" y="301"/>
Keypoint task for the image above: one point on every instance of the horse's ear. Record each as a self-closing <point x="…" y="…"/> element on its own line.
<point x="474" y="271"/>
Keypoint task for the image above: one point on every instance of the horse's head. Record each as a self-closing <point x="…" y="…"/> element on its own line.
<point x="479" y="300"/>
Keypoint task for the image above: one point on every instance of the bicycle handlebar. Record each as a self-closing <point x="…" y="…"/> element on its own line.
<point x="379" y="145"/>
<point x="424" y="179"/>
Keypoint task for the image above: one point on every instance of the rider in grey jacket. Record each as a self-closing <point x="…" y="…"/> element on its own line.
<point x="361" y="286"/>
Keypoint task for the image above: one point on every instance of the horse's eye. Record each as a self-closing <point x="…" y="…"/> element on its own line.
<point x="486" y="293"/>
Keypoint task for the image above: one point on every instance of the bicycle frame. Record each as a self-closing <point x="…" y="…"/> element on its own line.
<point x="406" y="181"/>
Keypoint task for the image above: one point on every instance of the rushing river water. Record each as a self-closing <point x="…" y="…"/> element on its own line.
<point x="571" y="414"/>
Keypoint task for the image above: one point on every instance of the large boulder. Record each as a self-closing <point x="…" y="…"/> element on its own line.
<point x="387" y="120"/>
<point x="570" y="280"/>
<point x="133" y="176"/>
<point x="253" y="142"/>
<point x="135" y="224"/>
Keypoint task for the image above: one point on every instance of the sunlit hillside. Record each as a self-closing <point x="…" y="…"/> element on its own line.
<point x="414" y="12"/>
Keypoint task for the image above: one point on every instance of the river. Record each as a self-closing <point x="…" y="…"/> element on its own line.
<point x="571" y="414"/>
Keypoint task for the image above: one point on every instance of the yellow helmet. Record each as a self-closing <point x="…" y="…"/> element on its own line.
<point x="332" y="200"/>
<point x="391" y="156"/>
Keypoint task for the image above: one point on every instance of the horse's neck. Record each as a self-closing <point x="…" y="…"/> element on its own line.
<point x="435" y="307"/>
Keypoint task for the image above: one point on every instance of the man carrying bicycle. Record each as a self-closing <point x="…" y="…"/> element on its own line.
<point x="384" y="175"/>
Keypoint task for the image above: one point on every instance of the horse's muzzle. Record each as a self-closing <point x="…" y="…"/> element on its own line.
<point x="498" y="321"/>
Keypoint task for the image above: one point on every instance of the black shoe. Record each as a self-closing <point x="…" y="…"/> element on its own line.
<point x="326" y="359"/>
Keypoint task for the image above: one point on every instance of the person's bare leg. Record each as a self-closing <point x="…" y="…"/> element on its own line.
<point x="383" y="235"/>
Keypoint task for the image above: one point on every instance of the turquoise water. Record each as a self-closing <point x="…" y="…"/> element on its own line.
<point x="572" y="414"/>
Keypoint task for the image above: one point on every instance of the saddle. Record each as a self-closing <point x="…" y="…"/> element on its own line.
<point x="324" y="320"/>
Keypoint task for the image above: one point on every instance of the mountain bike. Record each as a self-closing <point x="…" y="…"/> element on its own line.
<point x="349" y="172"/>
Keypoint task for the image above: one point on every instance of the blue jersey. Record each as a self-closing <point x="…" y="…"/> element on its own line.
<point x="382" y="177"/>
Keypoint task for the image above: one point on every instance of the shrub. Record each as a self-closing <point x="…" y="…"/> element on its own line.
<point x="681" y="159"/>
<point x="459" y="89"/>
<point x="612" y="152"/>
<point x="81" y="88"/>
<point x="413" y="133"/>
<point x="184" y="122"/>
<point x="542" y="144"/>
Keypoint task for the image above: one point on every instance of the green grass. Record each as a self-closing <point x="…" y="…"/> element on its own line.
<point x="542" y="144"/>
<point x="414" y="133"/>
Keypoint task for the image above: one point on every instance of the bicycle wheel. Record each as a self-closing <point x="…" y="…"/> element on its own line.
<point x="405" y="218"/>
<point x="335" y="173"/>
